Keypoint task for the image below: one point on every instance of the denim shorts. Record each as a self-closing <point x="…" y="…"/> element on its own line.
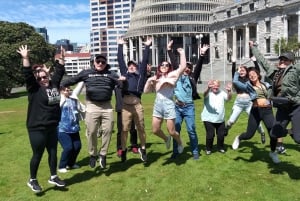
<point x="164" y="108"/>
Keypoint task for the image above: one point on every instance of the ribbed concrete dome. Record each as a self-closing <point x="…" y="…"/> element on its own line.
<point x="160" y="17"/>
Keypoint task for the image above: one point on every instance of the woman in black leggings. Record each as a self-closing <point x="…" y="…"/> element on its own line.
<point x="43" y="115"/>
<point x="261" y="110"/>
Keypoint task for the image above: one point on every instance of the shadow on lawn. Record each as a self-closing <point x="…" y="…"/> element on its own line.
<point x="262" y="154"/>
<point x="118" y="166"/>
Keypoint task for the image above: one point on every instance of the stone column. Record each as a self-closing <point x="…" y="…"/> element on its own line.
<point x="152" y="60"/>
<point x="234" y="43"/>
<point x="298" y="13"/>
<point x="140" y="52"/>
<point x="130" y="48"/>
<point x="225" y="48"/>
<point x="247" y="50"/>
<point x="285" y="26"/>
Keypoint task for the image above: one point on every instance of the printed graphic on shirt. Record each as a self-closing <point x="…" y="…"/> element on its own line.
<point x="53" y="96"/>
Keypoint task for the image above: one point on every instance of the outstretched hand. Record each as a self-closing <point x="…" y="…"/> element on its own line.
<point x="169" y="45"/>
<point x="120" y="41"/>
<point x="228" y="86"/>
<point x="180" y="50"/>
<point x="23" y="51"/>
<point x="204" y="49"/>
<point x="148" y="41"/>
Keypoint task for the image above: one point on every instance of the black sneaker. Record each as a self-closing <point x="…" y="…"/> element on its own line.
<point x="263" y="138"/>
<point x="93" y="160"/>
<point x="123" y="155"/>
<point x="102" y="161"/>
<point x="143" y="154"/>
<point x="57" y="181"/>
<point x="34" y="185"/>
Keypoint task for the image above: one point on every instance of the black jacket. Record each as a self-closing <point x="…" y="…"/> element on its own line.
<point x="99" y="84"/>
<point x="43" y="102"/>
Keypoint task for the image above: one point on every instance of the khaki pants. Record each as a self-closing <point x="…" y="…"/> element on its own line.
<point x="98" y="114"/>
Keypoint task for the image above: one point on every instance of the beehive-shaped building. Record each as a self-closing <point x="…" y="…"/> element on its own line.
<point x="186" y="22"/>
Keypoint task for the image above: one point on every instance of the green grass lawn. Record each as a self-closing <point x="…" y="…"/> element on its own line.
<point x="245" y="174"/>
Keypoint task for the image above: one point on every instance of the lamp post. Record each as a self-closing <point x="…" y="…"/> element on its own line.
<point x="279" y="44"/>
<point x="199" y="37"/>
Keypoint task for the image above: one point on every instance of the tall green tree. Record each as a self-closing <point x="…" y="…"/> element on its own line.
<point x="13" y="35"/>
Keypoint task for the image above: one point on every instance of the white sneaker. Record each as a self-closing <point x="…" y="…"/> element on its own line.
<point x="274" y="157"/>
<point x="63" y="170"/>
<point x="168" y="142"/>
<point x="236" y="143"/>
<point x="180" y="149"/>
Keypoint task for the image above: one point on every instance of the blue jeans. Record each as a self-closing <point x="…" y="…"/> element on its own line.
<point x="186" y="112"/>
<point x="71" y="145"/>
<point x="240" y="105"/>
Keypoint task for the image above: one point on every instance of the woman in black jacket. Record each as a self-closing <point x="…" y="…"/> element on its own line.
<point x="43" y="116"/>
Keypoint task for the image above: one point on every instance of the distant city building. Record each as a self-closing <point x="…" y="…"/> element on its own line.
<point x="43" y="32"/>
<point x="109" y="20"/>
<point x="75" y="62"/>
<point x="65" y="43"/>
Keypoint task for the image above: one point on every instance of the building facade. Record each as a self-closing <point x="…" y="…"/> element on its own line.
<point x="262" y="21"/>
<point x="76" y="62"/>
<point x="185" y="22"/>
<point x="109" y="20"/>
<point x="43" y="32"/>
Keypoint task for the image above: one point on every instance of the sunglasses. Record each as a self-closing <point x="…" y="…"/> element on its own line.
<point x="165" y="65"/>
<point x="100" y="61"/>
<point x="42" y="78"/>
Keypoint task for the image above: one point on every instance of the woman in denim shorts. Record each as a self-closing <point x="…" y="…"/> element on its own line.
<point x="164" y="106"/>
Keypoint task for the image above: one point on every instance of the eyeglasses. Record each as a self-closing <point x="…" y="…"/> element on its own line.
<point x="42" y="78"/>
<point x="164" y="65"/>
<point x="100" y="61"/>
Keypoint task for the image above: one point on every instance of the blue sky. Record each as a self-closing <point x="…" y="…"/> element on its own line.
<point x="64" y="19"/>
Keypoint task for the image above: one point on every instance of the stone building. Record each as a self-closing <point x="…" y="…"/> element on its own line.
<point x="263" y="21"/>
<point x="226" y="25"/>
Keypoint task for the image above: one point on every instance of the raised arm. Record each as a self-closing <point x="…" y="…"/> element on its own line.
<point x="261" y="60"/>
<point x="59" y="68"/>
<point x="24" y="52"/>
<point x="143" y="66"/>
<point x="198" y="68"/>
<point x="182" y="65"/>
<point x="172" y="57"/>
<point x="122" y="64"/>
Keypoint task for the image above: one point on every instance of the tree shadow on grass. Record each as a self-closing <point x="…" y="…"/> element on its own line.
<point x="262" y="154"/>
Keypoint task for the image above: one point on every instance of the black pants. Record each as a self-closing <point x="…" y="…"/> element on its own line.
<point x="283" y="117"/>
<point x="40" y="140"/>
<point x="257" y="115"/>
<point x="133" y="132"/>
<point x="211" y="129"/>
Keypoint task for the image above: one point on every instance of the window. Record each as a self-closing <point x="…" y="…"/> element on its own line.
<point x="268" y="26"/>
<point x="251" y="6"/>
<point x="268" y="45"/>
<point x="229" y="13"/>
<point x="239" y="10"/>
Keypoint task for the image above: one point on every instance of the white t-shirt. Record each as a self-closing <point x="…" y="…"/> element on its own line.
<point x="214" y="107"/>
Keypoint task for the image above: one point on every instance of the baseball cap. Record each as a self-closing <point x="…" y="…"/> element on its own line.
<point x="99" y="56"/>
<point x="132" y="62"/>
<point x="288" y="55"/>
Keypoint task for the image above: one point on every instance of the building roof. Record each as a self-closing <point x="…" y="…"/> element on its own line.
<point x="81" y="55"/>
